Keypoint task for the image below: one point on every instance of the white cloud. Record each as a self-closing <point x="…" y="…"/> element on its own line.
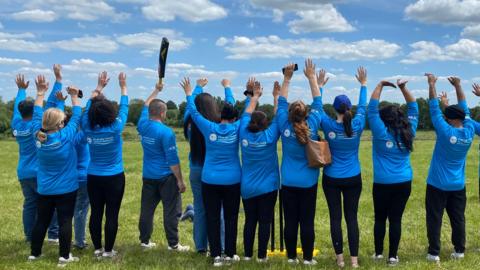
<point x="21" y="45"/>
<point x="193" y="11"/>
<point x="464" y="50"/>
<point x="456" y="12"/>
<point x="471" y="31"/>
<point x="313" y="15"/>
<point x="241" y="47"/>
<point x="96" y="44"/>
<point x="27" y="35"/>
<point x="35" y="15"/>
<point x="150" y="41"/>
<point x="14" y="61"/>
<point x="91" y="66"/>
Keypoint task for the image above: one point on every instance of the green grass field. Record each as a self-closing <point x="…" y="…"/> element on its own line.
<point x="14" y="251"/>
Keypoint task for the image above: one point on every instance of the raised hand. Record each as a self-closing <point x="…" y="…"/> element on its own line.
<point x="185" y="84"/>
<point x="288" y="73"/>
<point x="102" y="81"/>
<point x="57" y="70"/>
<point x="20" y="81"/>
<point x="322" y="78"/>
<point x="431" y="78"/>
<point x="159" y="86"/>
<point x="401" y="83"/>
<point x="309" y="69"/>
<point x="276" y="89"/>
<point x="257" y="90"/>
<point x="361" y="76"/>
<point x="202" y="82"/>
<point x="443" y="98"/>
<point x="455" y="81"/>
<point x="225" y="83"/>
<point x="122" y="80"/>
<point x="42" y="85"/>
<point x="476" y="89"/>
<point x="59" y="95"/>
<point x="73" y="91"/>
<point x="387" y="83"/>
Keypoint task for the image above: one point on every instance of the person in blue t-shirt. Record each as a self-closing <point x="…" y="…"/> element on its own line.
<point x="476" y="92"/>
<point x="393" y="132"/>
<point x="343" y="176"/>
<point x="102" y="128"/>
<point x="22" y="127"/>
<point x="221" y="176"/>
<point x="260" y="172"/>
<point x="57" y="171"/>
<point x="162" y="176"/>
<point x="208" y="108"/>
<point x="299" y="182"/>
<point x="446" y="176"/>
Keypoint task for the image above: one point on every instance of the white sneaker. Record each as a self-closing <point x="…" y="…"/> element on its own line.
<point x="111" y="254"/>
<point x="393" y="261"/>
<point x="217" y="261"/>
<point x="32" y="258"/>
<point x="98" y="253"/>
<point x="457" y="256"/>
<point x="228" y="260"/>
<point x="262" y="260"/>
<point x="148" y="245"/>
<point x="62" y="262"/>
<point x="293" y="261"/>
<point x="53" y="241"/>
<point x="311" y="262"/>
<point x="247" y="258"/>
<point x="377" y="257"/>
<point x="179" y="248"/>
<point x="433" y="258"/>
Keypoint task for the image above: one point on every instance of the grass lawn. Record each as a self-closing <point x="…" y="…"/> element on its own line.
<point x="14" y="251"/>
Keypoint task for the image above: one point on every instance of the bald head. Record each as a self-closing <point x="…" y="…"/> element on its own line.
<point x="157" y="109"/>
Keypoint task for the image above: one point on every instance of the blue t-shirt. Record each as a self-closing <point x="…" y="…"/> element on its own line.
<point x="197" y="91"/>
<point x="222" y="165"/>
<point x="260" y="172"/>
<point x="159" y="147"/>
<point x="391" y="164"/>
<point x="447" y="168"/>
<point x="57" y="159"/>
<point x="105" y="143"/>
<point x="295" y="171"/>
<point x="24" y="130"/>
<point x="475" y="124"/>
<point x="344" y="150"/>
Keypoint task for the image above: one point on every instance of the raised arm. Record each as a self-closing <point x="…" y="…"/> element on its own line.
<point x="287" y="76"/>
<point x="443" y="99"/>
<point x="52" y="100"/>
<point x="228" y="91"/>
<point x="455" y="81"/>
<point x="362" y="101"/>
<point x="257" y="92"/>
<point x="436" y="116"/>
<point x="154" y="94"/>
<point x="21" y="95"/>
<point x="197" y="91"/>
<point x="377" y="92"/>
<point x="276" y="93"/>
<point x="71" y="129"/>
<point x="202" y="123"/>
<point x="42" y="87"/>
<point x="123" y="111"/>
<point x="402" y="84"/>
<point x="432" y="90"/>
<point x="309" y="72"/>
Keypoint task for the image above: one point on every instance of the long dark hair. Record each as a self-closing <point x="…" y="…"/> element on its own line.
<point x="207" y="107"/>
<point x="397" y="124"/>
<point x="258" y="122"/>
<point x="297" y="115"/>
<point x="102" y="112"/>
<point x="347" y="119"/>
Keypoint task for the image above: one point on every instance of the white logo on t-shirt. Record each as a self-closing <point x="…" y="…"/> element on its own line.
<point x="89" y="140"/>
<point x="213" y="137"/>
<point x="38" y="144"/>
<point x="332" y="135"/>
<point x="245" y="142"/>
<point x="15" y="132"/>
<point x="389" y="144"/>
<point x="453" y="140"/>
<point x="286" y="133"/>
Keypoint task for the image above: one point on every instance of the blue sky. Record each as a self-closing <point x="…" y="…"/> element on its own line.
<point x="240" y="38"/>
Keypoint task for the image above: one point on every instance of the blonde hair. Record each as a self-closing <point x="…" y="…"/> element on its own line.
<point x="52" y="120"/>
<point x="297" y="114"/>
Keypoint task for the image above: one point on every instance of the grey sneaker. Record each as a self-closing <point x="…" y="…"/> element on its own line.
<point x="179" y="248"/>
<point x="62" y="262"/>
<point x="112" y="254"/>
<point x="457" y="256"/>
<point x="393" y="261"/>
<point x="98" y="253"/>
<point x="433" y="258"/>
<point x="217" y="261"/>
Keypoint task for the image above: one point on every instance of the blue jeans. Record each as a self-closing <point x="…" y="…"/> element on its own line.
<point x="80" y="214"/>
<point x="200" y="217"/>
<point x="29" y="214"/>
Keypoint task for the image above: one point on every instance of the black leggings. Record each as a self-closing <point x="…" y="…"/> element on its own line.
<point x="299" y="205"/>
<point x="105" y="194"/>
<point x="64" y="204"/>
<point x="258" y="209"/>
<point x="389" y="201"/>
<point x="351" y="188"/>
<point x="214" y="198"/>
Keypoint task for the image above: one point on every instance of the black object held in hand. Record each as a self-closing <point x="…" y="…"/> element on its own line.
<point x="294" y="69"/>
<point x="162" y="58"/>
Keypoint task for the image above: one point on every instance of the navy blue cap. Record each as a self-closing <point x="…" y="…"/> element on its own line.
<point x="340" y="101"/>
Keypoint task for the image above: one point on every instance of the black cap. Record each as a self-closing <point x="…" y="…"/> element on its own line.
<point x="454" y="112"/>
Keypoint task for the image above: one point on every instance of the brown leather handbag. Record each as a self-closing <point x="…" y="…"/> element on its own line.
<point x="318" y="153"/>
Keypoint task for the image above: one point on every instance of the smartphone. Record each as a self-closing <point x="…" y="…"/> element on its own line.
<point x="294" y="69"/>
<point x="80" y="94"/>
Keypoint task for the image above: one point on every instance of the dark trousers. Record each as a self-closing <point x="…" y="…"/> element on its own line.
<point x="214" y="198"/>
<point x="154" y="191"/>
<point x="64" y="204"/>
<point x="350" y="188"/>
<point x="389" y="201"/>
<point x="299" y="206"/>
<point x="258" y="209"/>
<point x="105" y="194"/>
<point x="454" y="202"/>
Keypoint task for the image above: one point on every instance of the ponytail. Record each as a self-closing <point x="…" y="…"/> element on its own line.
<point x="398" y="125"/>
<point x="347" y="121"/>
<point x="297" y="114"/>
<point x="42" y="135"/>
<point x="52" y="120"/>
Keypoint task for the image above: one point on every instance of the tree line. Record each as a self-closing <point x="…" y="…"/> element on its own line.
<point x="176" y="111"/>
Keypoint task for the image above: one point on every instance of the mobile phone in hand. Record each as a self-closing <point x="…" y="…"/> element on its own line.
<point x="294" y="69"/>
